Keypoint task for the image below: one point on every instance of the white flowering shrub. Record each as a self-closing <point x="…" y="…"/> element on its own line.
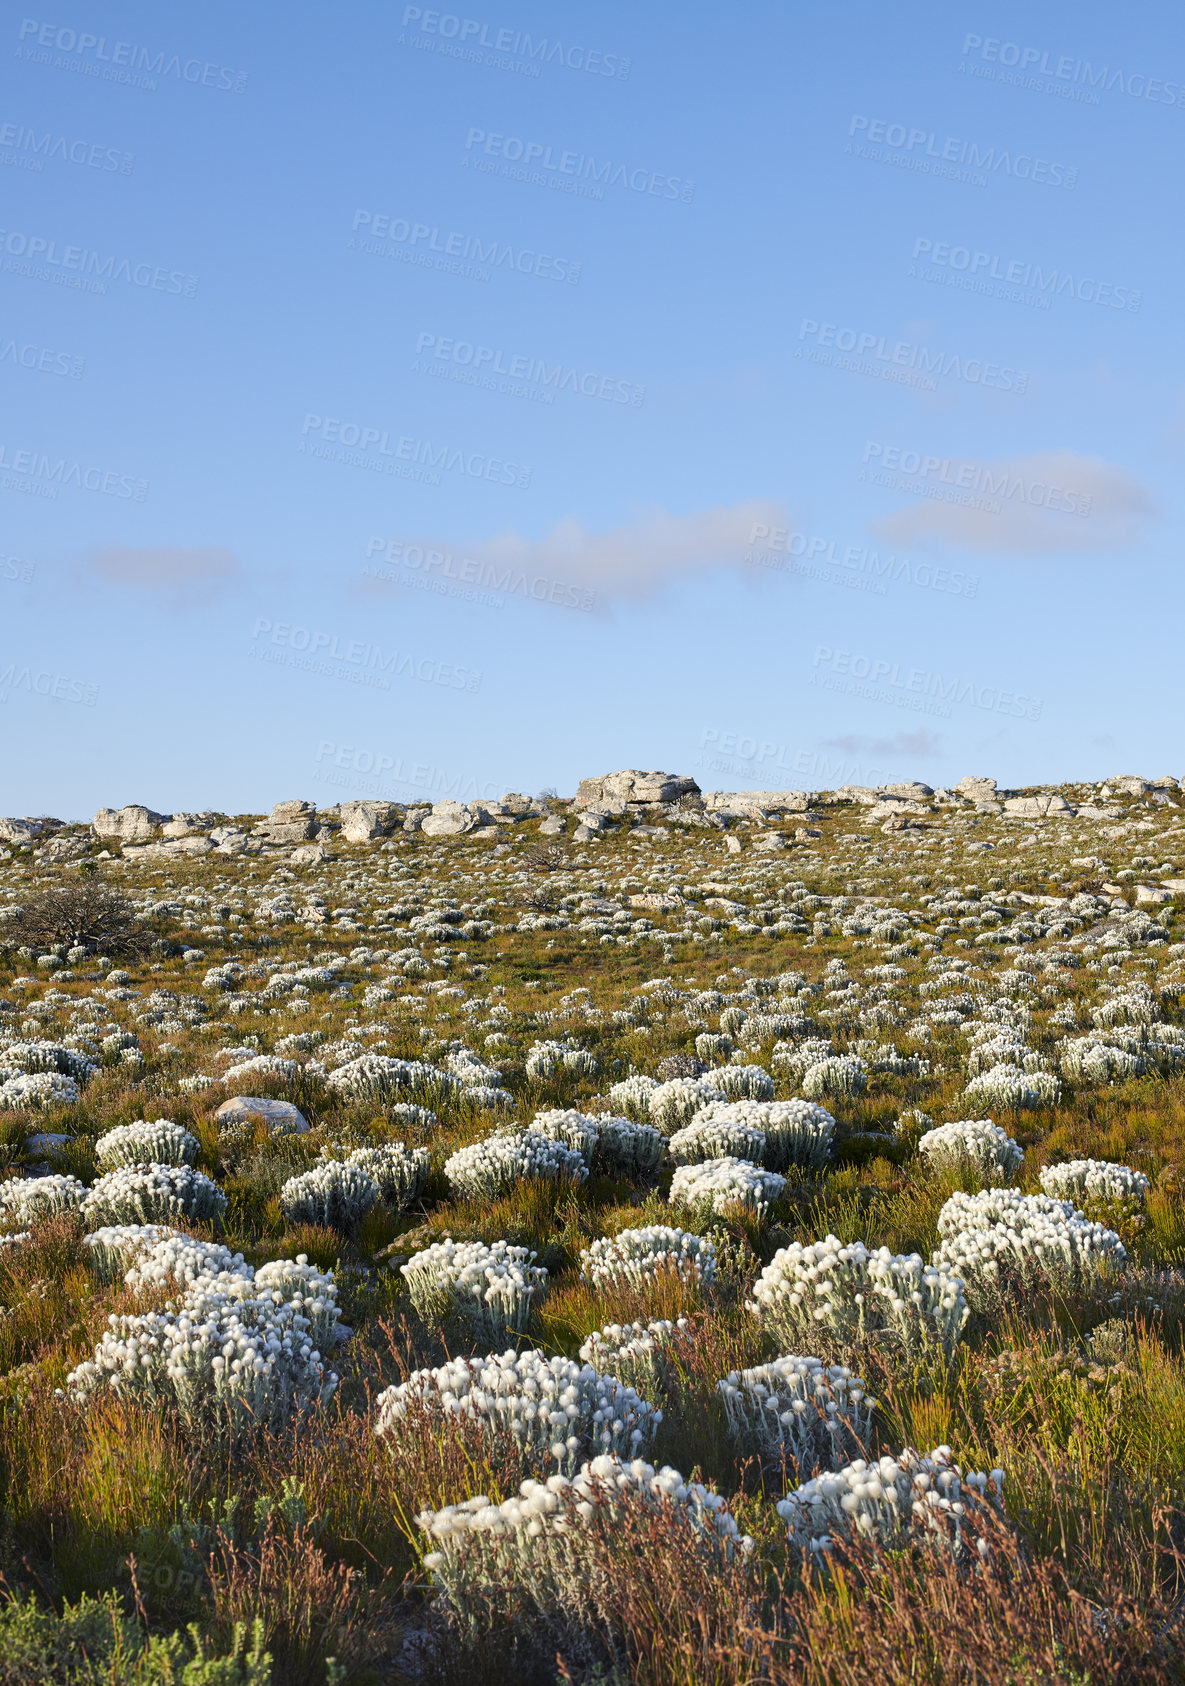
<point x="795" y="1059"/>
<point x="720" y="1183"/>
<point x="636" y="1353"/>
<point x="333" y="1193"/>
<point x="26" y="1200"/>
<point x="472" y="1072"/>
<point x="1090" y="1060"/>
<point x="31" y="1058"/>
<point x="298" y="1281"/>
<point x="376" y="1076"/>
<point x="170" y="1258"/>
<point x="400" y="1172"/>
<point x="578" y="1130"/>
<point x="1006" y="1086"/>
<point x="153" y="1194"/>
<point x="408" y="1116"/>
<point x="492" y="1290"/>
<point x="849" y="1292"/>
<point x="892" y="1502"/>
<point x="40" y="1090"/>
<point x="1002" y="1050"/>
<point x="637" y="1256"/>
<point x="709" y="1046"/>
<point x="539" y="1540"/>
<point x="1033" y="1240"/>
<point x="228" y="1360"/>
<point x="1133" y="1005"/>
<point x="800" y="1409"/>
<point x="976" y="1142"/>
<point x="625" y="1148"/>
<point x="546" y="1059"/>
<point x="158" y="1143"/>
<point x="676" y="1103"/>
<point x="842" y="1074"/>
<point x="744" y="1082"/>
<point x="632" y="1097"/>
<point x="796" y="1132"/>
<point x="1093" y="1179"/>
<point x="114" y="1248"/>
<point x="14" y="1238"/>
<point x="712" y="1136"/>
<point x="493" y="1167"/>
<point x="555" y="1411"/>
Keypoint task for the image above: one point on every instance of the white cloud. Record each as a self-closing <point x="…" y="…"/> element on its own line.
<point x="653" y="550"/>
<point x="1048" y="502"/>
<point x="166" y="571"/>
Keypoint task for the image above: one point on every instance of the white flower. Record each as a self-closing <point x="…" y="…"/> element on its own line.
<point x="334" y="1194"/>
<point x="578" y="1130"/>
<point x="30" y="1058"/>
<point x="841" y="1074"/>
<point x="112" y="1247"/>
<point x="710" y="1136"/>
<point x="798" y="1408"/>
<point x="158" y="1143"/>
<point x="1005" y="1086"/>
<point x="796" y="1132"/>
<point x="492" y="1289"/>
<point x="1096" y="1179"/>
<point x="372" y="1076"/>
<point x="399" y="1171"/>
<point x="146" y="1194"/>
<point x="493" y="1167"/>
<point x="677" y="1102"/>
<point x="544" y="1059"/>
<point x="850" y="1291"/>
<point x="974" y="1141"/>
<point x="40" y="1089"/>
<point x="720" y="1182"/>
<point x="1090" y="1059"/>
<point x="744" y="1082"/>
<point x="639" y="1255"/>
<point x="1031" y="1236"/>
<point x="636" y="1353"/>
<point x="632" y="1095"/>
<point x="26" y="1200"/>
<point x="889" y="1501"/>
<point x="627" y="1148"/>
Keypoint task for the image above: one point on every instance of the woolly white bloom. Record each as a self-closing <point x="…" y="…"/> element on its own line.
<point x="720" y="1182"/>
<point x="1029" y="1236"/>
<point x="399" y="1171"/>
<point x="677" y="1102"/>
<point x="637" y="1256"/>
<point x="373" y="1076"/>
<point x="554" y="1410"/>
<point x="172" y="1258"/>
<point x="493" y="1167"/>
<point x="493" y="1289"/>
<point x="744" y="1082"/>
<point x="976" y="1142"/>
<point x="115" y="1246"/>
<point x="849" y="1291"/>
<point x="796" y="1132"/>
<point x="1095" y="1179"/>
<point x="545" y="1059"/>
<point x="465" y="1065"/>
<point x="711" y="1136"/>
<point x="577" y="1130"/>
<point x="637" y="1353"/>
<point x="158" y="1143"/>
<point x="148" y="1194"/>
<point x="26" y="1200"/>
<point x="14" y="1238"/>
<point x="41" y="1089"/>
<point x="796" y="1059"/>
<point x="248" y="1072"/>
<point x="798" y="1408"/>
<point x="1005" y="1086"/>
<point x="1088" y="1059"/>
<point x="297" y="1281"/>
<point x="228" y="1360"/>
<point x="30" y="1058"/>
<point x="633" y="1097"/>
<point x="628" y="1148"/>
<point x="842" y="1074"/>
<point x="889" y="1502"/>
<point x="332" y="1193"/>
<point x="1004" y="1049"/>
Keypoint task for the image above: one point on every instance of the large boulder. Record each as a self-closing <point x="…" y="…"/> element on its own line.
<point x="977" y="789"/>
<point x="19" y="831"/>
<point x="288" y="822"/>
<point x="1126" y="784"/>
<point x="634" y="786"/>
<point x="363" y="821"/>
<point x="130" y="825"/>
<point x="913" y="790"/>
<point x="1037" y="807"/>
<point x="756" y="801"/>
<point x="453" y="819"/>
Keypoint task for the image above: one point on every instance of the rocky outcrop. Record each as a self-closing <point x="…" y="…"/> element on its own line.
<point x="363" y="821"/>
<point x="1037" y="807"/>
<point x="632" y="786"/>
<point x="288" y="822"/>
<point x="133" y="824"/>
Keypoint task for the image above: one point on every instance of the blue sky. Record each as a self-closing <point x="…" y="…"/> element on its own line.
<point x="404" y="402"/>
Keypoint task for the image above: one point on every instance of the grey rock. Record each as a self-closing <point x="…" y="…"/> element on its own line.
<point x="593" y="822"/>
<point x="978" y="788"/>
<point x="363" y="821"/>
<point x="281" y="1117"/>
<point x="553" y="826"/>
<point x="912" y="789"/>
<point x="1036" y="807"/>
<point x="630" y="785"/>
<point x="452" y="819"/>
<point x="763" y="801"/>
<point x="19" y="831"/>
<point x="131" y="824"/>
<point x="768" y="841"/>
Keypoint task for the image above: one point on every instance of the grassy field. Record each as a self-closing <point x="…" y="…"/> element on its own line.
<point x="152" y="1533"/>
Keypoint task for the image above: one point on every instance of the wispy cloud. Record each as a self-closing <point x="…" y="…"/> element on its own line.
<point x="171" y="573"/>
<point x="1048" y="502"/>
